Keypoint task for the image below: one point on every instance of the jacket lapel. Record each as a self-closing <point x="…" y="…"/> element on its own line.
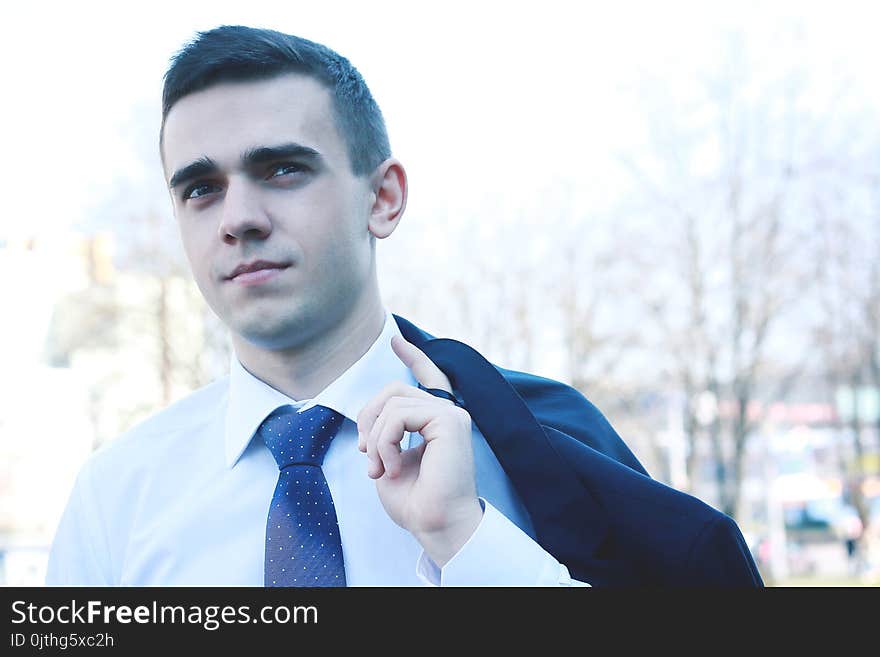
<point x="568" y="521"/>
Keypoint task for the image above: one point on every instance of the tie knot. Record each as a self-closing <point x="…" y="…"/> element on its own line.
<point x="300" y="438"/>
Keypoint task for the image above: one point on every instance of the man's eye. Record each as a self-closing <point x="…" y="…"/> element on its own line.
<point x="197" y="190"/>
<point x="285" y="169"/>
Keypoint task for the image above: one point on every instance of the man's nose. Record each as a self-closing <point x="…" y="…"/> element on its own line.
<point x="243" y="215"/>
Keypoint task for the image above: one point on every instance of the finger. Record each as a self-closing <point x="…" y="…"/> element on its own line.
<point x="430" y="418"/>
<point x="388" y="444"/>
<point x="385" y="436"/>
<point x="371" y="410"/>
<point x="422" y="367"/>
<point x="401" y="414"/>
<point x="375" y="469"/>
<point x="398" y="412"/>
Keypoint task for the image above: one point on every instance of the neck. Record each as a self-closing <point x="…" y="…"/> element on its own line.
<point x="301" y="372"/>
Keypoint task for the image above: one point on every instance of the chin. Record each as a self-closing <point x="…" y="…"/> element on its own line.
<point x="277" y="333"/>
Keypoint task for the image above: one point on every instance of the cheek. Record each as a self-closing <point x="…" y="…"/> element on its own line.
<point x="335" y="235"/>
<point x="345" y="251"/>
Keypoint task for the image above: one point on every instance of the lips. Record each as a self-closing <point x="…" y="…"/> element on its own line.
<point x="258" y="265"/>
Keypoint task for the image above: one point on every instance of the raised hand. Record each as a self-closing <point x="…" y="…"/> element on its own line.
<point x="429" y="490"/>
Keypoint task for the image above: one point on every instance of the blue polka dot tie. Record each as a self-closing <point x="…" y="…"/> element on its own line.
<point x="303" y="547"/>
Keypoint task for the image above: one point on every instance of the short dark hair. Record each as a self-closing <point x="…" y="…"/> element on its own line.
<point x="238" y="53"/>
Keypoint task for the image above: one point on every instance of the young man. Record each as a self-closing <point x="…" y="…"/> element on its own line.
<point x="347" y="446"/>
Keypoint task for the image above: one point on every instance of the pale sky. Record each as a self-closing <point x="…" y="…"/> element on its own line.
<point x="488" y="103"/>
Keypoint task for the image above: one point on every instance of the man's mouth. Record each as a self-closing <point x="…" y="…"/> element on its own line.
<point x="259" y="271"/>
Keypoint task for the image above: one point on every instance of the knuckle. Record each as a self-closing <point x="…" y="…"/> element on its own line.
<point x="396" y="402"/>
<point x="461" y="414"/>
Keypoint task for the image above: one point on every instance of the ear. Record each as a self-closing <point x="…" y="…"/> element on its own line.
<point x="388" y="197"/>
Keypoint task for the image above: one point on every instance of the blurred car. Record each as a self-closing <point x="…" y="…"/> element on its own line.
<point x="816" y="521"/>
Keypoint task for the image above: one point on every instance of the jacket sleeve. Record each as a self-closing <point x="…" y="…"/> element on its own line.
<point x="719" y="557"/>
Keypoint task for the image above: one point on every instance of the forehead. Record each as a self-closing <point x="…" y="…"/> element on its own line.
<point x="227" y="119"/>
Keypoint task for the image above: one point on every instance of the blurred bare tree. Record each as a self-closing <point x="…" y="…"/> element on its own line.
<point x="547" y="290"/>
<point x="722" y="266"/>
<point x="141" y="322"/>
<point x="847" y="329"/>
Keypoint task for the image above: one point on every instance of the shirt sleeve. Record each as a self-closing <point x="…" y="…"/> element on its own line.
<point x="78" y="556"/>
<point x="525" y="563"/>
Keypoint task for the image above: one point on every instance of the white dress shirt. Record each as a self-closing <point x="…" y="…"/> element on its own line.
<point x="183" y="498"/>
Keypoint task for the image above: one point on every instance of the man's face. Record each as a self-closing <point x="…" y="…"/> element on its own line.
<point x="261" y="179"/>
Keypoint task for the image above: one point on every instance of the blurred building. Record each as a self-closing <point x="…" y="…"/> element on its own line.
<point x="44" y="429"/>
<point x="87" y="356"/>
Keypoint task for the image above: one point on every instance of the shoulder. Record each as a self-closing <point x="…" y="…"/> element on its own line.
<point x="108" y="494"/>
<point x="551" y="397"/>
<point x="562" y="407"/>
<point x="148" y="440"/>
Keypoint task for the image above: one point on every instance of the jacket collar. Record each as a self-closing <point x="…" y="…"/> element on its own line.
<point x="568" y="521"/>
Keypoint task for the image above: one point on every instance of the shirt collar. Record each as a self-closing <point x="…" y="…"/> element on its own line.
<point x="251" y="400"/>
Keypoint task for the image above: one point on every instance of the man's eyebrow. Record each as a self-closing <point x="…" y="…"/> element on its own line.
<point x="201" y="167"/>
<point x="206" y="166"/>
<point x="264" y="154"/>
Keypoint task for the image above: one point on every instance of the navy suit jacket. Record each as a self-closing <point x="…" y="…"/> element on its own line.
<point x="592" y="504"/>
